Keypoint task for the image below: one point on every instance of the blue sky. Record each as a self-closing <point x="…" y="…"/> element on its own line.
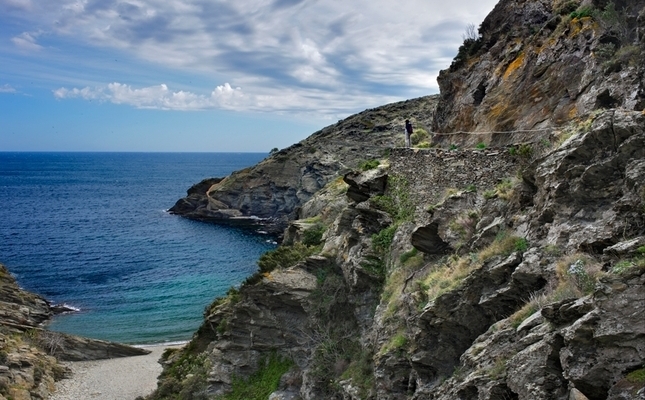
<point x="212" y="75"/>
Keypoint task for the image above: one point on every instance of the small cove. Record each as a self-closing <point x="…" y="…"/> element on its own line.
<point x="90" y="230"/>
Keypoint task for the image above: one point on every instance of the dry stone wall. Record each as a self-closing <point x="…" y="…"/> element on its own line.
<point x="432" y="173"/>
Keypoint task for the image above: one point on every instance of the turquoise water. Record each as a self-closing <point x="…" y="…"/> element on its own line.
<point x="90" y="230"/>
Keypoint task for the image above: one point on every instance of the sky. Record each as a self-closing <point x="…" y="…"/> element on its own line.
<point x="212" y="75"/>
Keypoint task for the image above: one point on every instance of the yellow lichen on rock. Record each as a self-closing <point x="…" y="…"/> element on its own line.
<point x="513" y="66"/>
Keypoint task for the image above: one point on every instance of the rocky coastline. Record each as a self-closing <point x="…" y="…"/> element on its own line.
<point x="502" y="257"/>
<point x="30" y="355"/>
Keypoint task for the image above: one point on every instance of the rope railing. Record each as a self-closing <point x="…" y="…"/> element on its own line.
<point x="494" y="132"/>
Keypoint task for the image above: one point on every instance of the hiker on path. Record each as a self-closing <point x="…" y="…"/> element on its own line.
<point x="408" y="133"/>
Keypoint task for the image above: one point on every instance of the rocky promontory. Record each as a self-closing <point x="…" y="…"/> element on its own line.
<point x="274" y="190"/>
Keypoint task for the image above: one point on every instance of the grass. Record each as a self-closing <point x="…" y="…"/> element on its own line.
<point x="503" y="245"/>
<point x="637" y="377"/>
<point x="361" y="372"/>
<point x="535" y="303"/>
<point x="449" y="274"/>
<point x="577" y="274"/>
<point x="503" y="190"/>
<point x="396" y="202"/>
<point x="262" y="383"/>
<point x="464" y="224"/>
<point x="409" y="255"/>
<point x="368" y="165"/>
<point x="398" y="342"/>
<point x="313" y="235"/>
<point x="284" y="256"/>
<point x="626" y="266"/>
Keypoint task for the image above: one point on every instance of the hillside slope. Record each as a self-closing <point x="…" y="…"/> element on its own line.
<point x="490" y="267"/>
<point x="274" y="189"/>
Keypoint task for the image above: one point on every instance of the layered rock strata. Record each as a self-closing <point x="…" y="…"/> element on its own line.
<point x="538" y="264"/>
<point x="274" y="190"/>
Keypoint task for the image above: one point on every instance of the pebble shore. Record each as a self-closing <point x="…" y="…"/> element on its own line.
<point x="123" y="378"/>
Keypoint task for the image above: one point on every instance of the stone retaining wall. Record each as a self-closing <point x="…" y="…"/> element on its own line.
<point x="431" y="172"/>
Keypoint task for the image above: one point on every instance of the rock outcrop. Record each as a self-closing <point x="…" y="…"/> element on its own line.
<point x="527" y="286"/>
<point x="273" y="191"/>
<point x="30" y="354"/>
<point x="539" y="64"/>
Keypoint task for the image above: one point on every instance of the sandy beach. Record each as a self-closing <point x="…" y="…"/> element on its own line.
<point x="115" y="379"/>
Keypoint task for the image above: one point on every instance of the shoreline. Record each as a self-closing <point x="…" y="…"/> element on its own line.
<point x="124" y="378"/>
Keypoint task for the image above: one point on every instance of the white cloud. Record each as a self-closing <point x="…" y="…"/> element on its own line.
<point x="159" y="97"/>
<point x="6" y="88"/>
<point x="222" y="97"/>
<point x="26" y="41"/>
<point x="285" y="53"/>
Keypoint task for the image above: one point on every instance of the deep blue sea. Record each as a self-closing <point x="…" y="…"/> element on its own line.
<point x="91" y="230"/>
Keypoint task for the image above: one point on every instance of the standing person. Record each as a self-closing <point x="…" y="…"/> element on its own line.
<point x="408" y="133"/>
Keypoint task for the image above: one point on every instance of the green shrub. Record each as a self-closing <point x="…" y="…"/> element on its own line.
<point x="284" y="257"/>
<point x="582" y="12"/>
<point x="382" y="241"/>
<point x="369" y="164"/>
<point x="480" y="146"/>
<point x="525" y="150"/>
<point x="419" y="135"/>
<point x="408" y="255"/>
<point x="262" y="383"/>
<point x="313" y="236"/>
<point x="396" y="201"/>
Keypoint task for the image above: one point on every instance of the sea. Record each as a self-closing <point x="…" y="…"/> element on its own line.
<point x="92" y="231"/>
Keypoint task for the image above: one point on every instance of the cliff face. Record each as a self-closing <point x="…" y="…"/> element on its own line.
<point x="277" y="187"/>
<point x="540" y="64"/>
<point x="29" y="354"/>
<point x="522" y="279"/>
<point x="495" y="266"/>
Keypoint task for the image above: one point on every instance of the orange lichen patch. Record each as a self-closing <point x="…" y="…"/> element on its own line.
<point x="573" y="112"/>
<point x="579" y="25"/>
<point x="267" y="275"/>
<point x="512" y="67"/>
<point x="497" y="110"/>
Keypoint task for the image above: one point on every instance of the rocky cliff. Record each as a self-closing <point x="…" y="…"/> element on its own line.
<point x="30" y="354"/>
<point x="540" y="64"/>
<point x="490" y="266"/>
<point x="275" y="189"/>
